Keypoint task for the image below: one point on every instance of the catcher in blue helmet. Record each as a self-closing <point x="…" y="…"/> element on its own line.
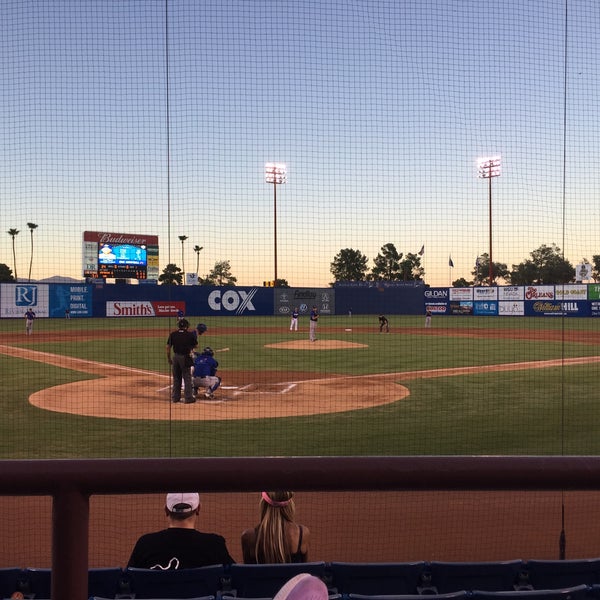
<point x="205" y="372"/>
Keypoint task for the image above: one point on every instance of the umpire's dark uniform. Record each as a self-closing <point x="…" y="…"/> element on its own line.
<point x="182" y="342"/>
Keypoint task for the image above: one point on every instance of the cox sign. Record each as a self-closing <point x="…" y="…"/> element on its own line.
<point x="236" y="301"/>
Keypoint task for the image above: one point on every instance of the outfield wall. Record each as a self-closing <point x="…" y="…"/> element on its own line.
<point x="392" y="298"/>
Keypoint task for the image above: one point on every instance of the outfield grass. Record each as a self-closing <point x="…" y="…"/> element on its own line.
<point x="547" y="411"/>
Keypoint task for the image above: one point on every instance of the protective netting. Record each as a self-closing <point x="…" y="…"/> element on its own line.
<point x="458" y="132"/>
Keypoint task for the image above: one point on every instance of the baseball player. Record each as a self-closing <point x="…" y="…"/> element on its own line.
<point x="294" y="321"/>
<point x="314" y="318"/>
<point x="29" y="318"/>
<point x="384" y="324"/>
<point x="205" y="372"/>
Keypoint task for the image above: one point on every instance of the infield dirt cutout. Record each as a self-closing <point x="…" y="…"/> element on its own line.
<point x="122" y="392"/>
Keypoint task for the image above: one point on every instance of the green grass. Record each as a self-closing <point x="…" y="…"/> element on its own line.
<point x="547" y="411"/>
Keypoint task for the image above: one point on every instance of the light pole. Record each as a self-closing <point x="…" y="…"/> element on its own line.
<point x="489" y="168"/>
<point x="275" y="173"/>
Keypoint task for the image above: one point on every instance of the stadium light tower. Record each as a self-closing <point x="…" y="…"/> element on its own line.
<point x="489" y="168"/>
<point x="275" y="173"/>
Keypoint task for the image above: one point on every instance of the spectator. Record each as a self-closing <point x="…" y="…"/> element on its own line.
<point x="181" y="545"/>
<point x="303" y="587"/>
<point x="277" y="538"/>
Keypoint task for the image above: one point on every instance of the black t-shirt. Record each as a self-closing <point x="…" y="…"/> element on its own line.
<point x="182" y="341"/>
<point x="179" y="548"/>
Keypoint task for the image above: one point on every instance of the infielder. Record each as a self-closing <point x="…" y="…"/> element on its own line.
<point x="314" y="318"/>
<point x="294" y="321"/>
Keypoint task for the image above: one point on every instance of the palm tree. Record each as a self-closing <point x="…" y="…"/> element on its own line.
<point x="31" y="226"/>
<point x="182" y="239"/>
<point x="14" y="233"/>
<point x="197" y="250"/>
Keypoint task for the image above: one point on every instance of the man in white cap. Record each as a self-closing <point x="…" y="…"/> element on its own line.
<point x="181" y="545"/>
<point x="303" y="587"/>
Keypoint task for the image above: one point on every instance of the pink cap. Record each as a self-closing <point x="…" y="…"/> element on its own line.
<point x="303" y="587"/>
<point x="182" y="502"/>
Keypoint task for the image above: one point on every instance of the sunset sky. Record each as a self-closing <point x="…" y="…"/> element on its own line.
<point x="158" y="117"/>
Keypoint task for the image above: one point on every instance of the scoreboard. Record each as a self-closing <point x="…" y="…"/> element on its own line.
<point x="108" y="255"/>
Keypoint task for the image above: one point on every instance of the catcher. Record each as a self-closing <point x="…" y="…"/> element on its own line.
<point x="205" y="372"/>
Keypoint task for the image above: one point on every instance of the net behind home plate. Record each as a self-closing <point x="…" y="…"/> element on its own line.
<point x="423" y="140"/>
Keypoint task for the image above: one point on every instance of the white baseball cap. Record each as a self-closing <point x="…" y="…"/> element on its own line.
<point x="182" y="502"/>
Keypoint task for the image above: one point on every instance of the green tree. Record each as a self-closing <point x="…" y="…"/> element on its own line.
<point x="171" y="275"/>
<point x="182" y="239"/>
<point x="197" y="250"/>
<point x="14" y="233"/>
<point x="221" y="274"/>
<point x="387" y="264"/>
<point x="481" y="272"/>
<point x="5" y="274"/>
<point x="349" y="265"/>
<point x="282" y="283"/>
<point x="411" y="268"/>
<point x="547" y="265"/>
<point x="461" y="283"/>
<point x="596" y="267"/>
<point x="32" y="227"/>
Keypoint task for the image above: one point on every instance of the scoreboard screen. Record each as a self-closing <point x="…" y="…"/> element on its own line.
<point x="120" y="255"/>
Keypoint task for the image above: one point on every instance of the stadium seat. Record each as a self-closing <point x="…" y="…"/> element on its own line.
<point x="489" y="576"/>
<point x="554" y="574"/>
<point x="198" y="598"/>
<point x="10" y="578"/>
<point x="376" y="578"/>
<point x="256" y="581"/>
<point x="462" y="595"/>
<point x="105" y="582"/>
<point x="580" y="592"/>
<point x="184" y="583"/>
<point x="37" y="583"/>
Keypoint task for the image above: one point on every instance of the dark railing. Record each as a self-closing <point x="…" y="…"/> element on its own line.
<point x="72" y="482"/>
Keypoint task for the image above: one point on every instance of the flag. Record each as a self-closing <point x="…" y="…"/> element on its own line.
<point x="422" y="250"/>
<point x="450" y="263"/>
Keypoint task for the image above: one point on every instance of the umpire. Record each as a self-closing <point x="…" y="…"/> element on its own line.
<point x="182" y="341"/>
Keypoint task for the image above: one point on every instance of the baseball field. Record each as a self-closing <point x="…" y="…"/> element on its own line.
<point x="99" y="388"/>
<point x="465" y="386"/>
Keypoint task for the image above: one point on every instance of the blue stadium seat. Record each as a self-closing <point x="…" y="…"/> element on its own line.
<point x="106" y="582"/>
<point x="462" y="595"/>
<point x="256" y="581"/>
<point x="9" y="581"/>
<point x="184" y="583"/>
<point x="489" y="576"/>
<point x="37" y="583"/>
<point x="580" y="592"/>
<point x="554" y="574"/>
<point x="198" y="598"/>
<point x="376" y="578"/>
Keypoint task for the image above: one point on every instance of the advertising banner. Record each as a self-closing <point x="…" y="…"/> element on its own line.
<point x="461" y="308"/>
<point x="571" y="292"/>
<point x="144" y="308"/>
<point x="16" y="299"/>
<point x="70" y="300"/>
<point x="437" y="308"/>
<point x="511" y="292"/>
<point x="436" y="294"/>
<point x="286" y="299"/>
<point x="485" y="308"/>
<point x="593" y="291"/>
<point x="539" y="292"/>
<point x="554" y="308"/>
<point x="511" y="309"/>
<point x="461" y="294"/>
<point x="594" y="308"/>
<point x="485" y="293"/>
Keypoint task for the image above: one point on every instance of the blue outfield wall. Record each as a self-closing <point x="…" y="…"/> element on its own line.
<point x="390" y="298"/>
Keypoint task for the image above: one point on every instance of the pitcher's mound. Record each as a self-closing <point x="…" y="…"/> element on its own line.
<point x="318" y="345"/>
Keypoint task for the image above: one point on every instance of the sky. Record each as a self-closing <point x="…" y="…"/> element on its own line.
<point x="158" y="116"/>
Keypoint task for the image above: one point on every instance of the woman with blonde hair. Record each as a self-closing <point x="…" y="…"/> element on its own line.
<point x="277" y="538"/>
